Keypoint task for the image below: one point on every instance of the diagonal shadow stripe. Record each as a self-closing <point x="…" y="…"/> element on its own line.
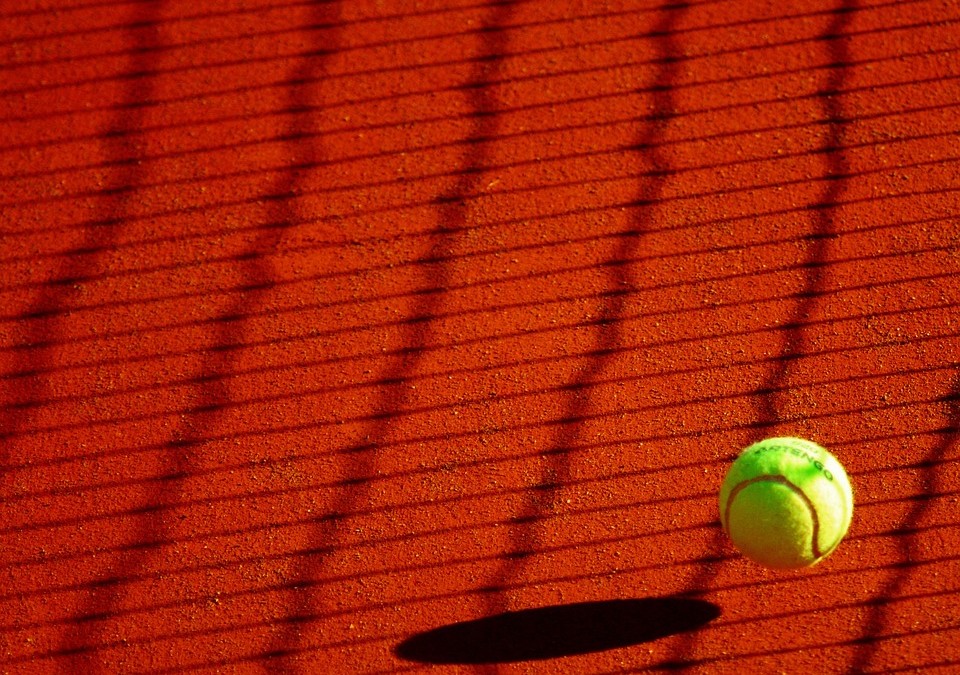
<point x="380" y="153"/>
<point x="908" y="535"/>
<point x="41" y="327"/>
<point x="746" y="624"/>
<point x="236" y="340"/>
<point x="702" y="399"/>
<point x="466" y="528"/>
<point x="541" y="498"/>
<point x="120" y="142"/>
<point x="90" y="489"/>
<point x="153" y="526"/>
<point x="209" y="632"/>
<point x="824" y="227"/>
<point x="65" y="461"/>
<point x="425" y="40"/>
<point x="359" y="463"/>
<point x="835" y="169"/>
<point x="781" y="126"/>
<point x="938" y="161"/>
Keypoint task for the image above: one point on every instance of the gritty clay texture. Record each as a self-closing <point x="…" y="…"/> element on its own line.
<point x="356" y="337"/>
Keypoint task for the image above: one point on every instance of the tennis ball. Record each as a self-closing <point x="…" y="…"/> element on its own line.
<point x="786" y="503"/>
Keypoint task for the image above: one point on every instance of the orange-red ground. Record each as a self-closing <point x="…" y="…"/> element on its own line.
<point x="327" y="328"/>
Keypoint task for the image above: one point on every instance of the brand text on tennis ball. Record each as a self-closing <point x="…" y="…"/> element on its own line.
<point x="786" y="503"/>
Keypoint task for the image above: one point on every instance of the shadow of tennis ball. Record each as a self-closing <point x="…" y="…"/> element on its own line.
<point x="561" y="630"/>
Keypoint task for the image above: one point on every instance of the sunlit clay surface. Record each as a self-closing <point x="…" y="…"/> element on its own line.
<point x="371" y="337"/>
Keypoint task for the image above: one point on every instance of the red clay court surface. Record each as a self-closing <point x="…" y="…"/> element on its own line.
<point x="380" y="336"/>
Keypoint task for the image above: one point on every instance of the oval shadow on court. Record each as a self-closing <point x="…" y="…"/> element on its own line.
<point x="559" y="630"/>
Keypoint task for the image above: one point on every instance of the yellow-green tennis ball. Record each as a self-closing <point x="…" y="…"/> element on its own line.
<point x="786" y="503"/>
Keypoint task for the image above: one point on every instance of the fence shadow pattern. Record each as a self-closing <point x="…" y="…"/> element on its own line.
<point x="372" y="339"/>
